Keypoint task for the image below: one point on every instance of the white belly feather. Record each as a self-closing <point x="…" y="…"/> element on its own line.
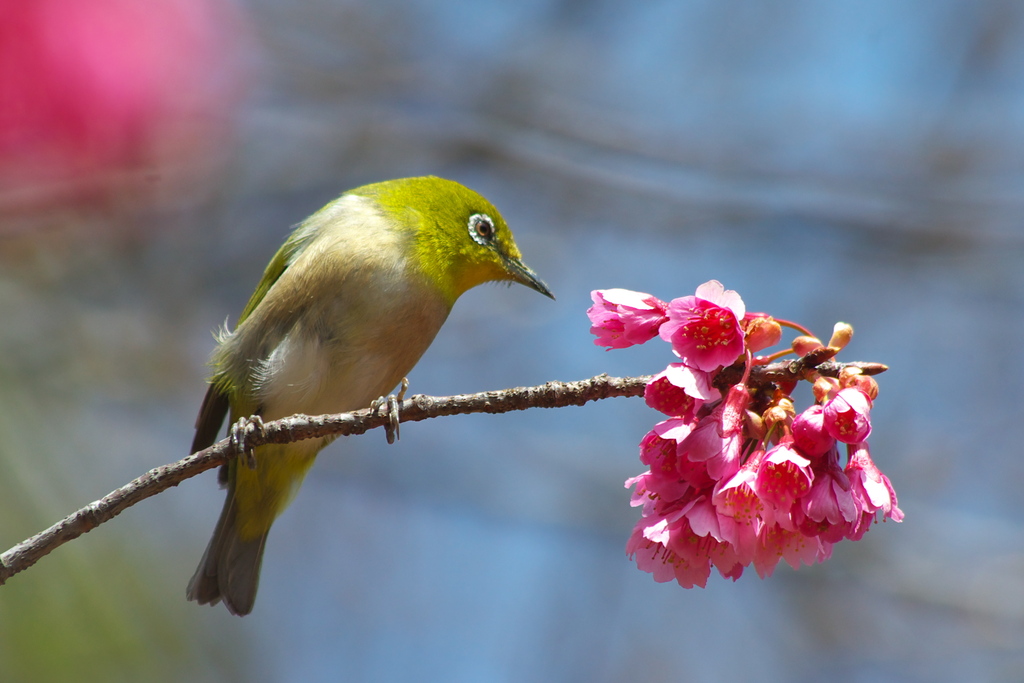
<point x="305" y="375"/>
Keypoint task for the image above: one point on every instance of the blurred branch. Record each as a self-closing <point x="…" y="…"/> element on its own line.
<point x="419" y="407"/>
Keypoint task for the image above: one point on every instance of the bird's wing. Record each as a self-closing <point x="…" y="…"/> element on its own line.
<point x="284" y="257"/>
<point x="210" y="418"/>
<point x="218" y="399"/>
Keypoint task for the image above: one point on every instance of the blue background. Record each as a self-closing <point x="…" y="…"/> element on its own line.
<point x="855" y="161"/>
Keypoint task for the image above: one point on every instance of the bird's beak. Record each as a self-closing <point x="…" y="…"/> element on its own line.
<point x="524" y="275"/>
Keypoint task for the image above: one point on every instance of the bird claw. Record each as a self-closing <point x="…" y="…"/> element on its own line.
<point x="394" y="404"/>
<point x="244" y="428"/>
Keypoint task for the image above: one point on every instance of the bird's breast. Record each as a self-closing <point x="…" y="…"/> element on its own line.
<point x="347" y="350"/>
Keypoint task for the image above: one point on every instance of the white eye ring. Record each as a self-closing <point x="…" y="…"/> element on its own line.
<point x="481" y="229"/>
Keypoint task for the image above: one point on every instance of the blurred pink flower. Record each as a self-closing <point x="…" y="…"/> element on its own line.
<point x="93" y="88"/>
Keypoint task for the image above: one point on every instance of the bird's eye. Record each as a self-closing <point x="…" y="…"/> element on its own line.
<point x="481" y="228"/>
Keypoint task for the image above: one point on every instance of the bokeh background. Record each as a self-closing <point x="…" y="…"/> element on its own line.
<point x="856" y="161"/>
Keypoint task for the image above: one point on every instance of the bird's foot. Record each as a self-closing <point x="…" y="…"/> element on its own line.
<point x="394" y="404"/>
<point x="241" y="431"/>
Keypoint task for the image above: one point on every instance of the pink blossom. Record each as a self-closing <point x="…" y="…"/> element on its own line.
<point x="729" y="488"/>
<point x="704" y="329"/>
<point x="679" y="391"/>
<point x="650" y="556"/>
<point x="659" y="450"/>
<point x="784" y="477"/>
<point x="684" y="542"/>
<point x="733" y="572"/>
<point x="809" y="433"/>
<point x="737" y="497"/>
<point x="867" y="480"/>
<point x="776" y="543"/>
<point x="645" y="494"/>
<point x="739" y="509"/>
<point x="734" y="409"/>
<point x="703" y="542"/>
<point x="829" y="507"/>
<point x="706" y="444"/>
<point x="871" y="489"/>
<point x="668" y="548"/>
<point x="667" y="398"/>
<point x="622" y="317"/>
<point x="641" y="495"/>
<point x="695" y="383"/>
<point x="703" y="518"/>
<point x="658" y="447"/>
<point x="847" y="416"/>
<point x="717" y="439"/>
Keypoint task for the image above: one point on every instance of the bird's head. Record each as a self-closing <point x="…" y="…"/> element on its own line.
<point x="459" y="239"/>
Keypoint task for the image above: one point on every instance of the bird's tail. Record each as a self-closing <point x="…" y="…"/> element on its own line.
<point x="230" y="568"/>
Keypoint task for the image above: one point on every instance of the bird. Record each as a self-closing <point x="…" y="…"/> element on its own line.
<point x="345" y="309"/>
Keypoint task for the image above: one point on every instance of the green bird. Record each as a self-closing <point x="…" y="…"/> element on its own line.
<point x="344" y="311"/>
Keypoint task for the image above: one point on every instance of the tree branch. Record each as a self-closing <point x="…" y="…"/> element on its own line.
<point x="419" y="407"/>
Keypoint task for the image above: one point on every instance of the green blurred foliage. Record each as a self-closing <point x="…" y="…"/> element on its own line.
<point x="99" y="608"/>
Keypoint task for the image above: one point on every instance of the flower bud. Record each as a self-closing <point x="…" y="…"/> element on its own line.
<point x="775" y="415"/>
<point x="865" y="383"/>
<point x="847" y="416"/>
<point x="762" y="332"/>
<point x="823" y="387"/>
<point x="842" y="333"/>
<point x="847" y="374"/>
<point x="809" y="433"/>
<point x="785" y="403"/>
<point x="804" y="344"/>
<point x="754" y="427"/>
